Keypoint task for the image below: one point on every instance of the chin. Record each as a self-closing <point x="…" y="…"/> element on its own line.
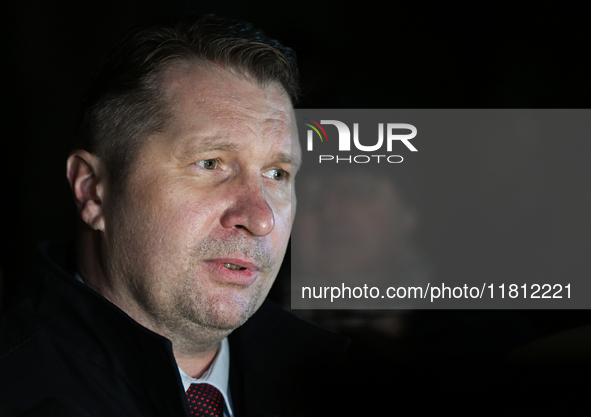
<point x="224" y="313"/>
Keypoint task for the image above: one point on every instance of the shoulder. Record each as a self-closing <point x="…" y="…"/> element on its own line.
<point x="64" y="337"/>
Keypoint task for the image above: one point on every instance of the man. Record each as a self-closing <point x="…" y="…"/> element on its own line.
<point x="184" y="182"/>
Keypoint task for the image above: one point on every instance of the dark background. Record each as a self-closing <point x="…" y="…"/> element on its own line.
<point x="400" y="55"/>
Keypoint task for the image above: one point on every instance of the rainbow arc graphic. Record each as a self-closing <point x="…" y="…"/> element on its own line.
<point x="316" y="130"/>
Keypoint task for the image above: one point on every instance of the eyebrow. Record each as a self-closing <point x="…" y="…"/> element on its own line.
<point x="288" y="159"/>
<point x="212" y="145"/>
<point x="207" y="145"/>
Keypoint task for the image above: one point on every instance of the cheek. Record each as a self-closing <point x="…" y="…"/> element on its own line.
<point x="191" y="213"/>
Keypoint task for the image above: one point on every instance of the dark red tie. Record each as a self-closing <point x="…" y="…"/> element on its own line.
<point x="205" y="400"/>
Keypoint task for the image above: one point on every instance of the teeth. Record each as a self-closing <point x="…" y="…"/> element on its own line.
<point x="232" y="266"/>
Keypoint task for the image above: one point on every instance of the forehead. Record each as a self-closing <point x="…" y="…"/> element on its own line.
<point x="216" y="105"/>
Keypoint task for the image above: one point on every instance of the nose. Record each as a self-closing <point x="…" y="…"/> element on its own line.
<point x="250" y="211"/>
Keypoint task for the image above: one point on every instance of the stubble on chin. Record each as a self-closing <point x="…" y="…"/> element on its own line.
<point x="171" y="293"/>
<point x="223" y="306"/>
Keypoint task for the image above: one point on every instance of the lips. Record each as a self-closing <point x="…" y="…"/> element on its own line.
<point x="238" y="271"/>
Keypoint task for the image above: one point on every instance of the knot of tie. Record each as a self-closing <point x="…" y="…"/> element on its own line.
<point x="205" y="400"/>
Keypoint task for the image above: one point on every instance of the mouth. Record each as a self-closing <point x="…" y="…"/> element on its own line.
<point x="234" y="267"/>
<point x="237" y="271"/>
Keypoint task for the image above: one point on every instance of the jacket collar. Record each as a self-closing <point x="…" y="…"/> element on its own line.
<point x="86" y="324"/>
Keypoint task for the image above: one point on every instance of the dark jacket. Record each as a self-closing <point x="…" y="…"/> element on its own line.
<point x="68" y="351"/>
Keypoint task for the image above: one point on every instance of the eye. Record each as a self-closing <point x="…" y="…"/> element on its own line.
<point x="276" y="174"/>
<point x="208" y="163"/>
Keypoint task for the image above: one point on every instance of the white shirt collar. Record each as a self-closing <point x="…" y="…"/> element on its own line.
<point x="217" y="375"/>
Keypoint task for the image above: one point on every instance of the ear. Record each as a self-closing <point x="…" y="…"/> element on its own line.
<point x="87" y="177"/>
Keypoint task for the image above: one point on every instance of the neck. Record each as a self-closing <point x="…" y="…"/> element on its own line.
<point x="196" y="364"/>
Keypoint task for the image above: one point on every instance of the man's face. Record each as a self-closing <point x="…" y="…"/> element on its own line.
<point x="199" y="233"/>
